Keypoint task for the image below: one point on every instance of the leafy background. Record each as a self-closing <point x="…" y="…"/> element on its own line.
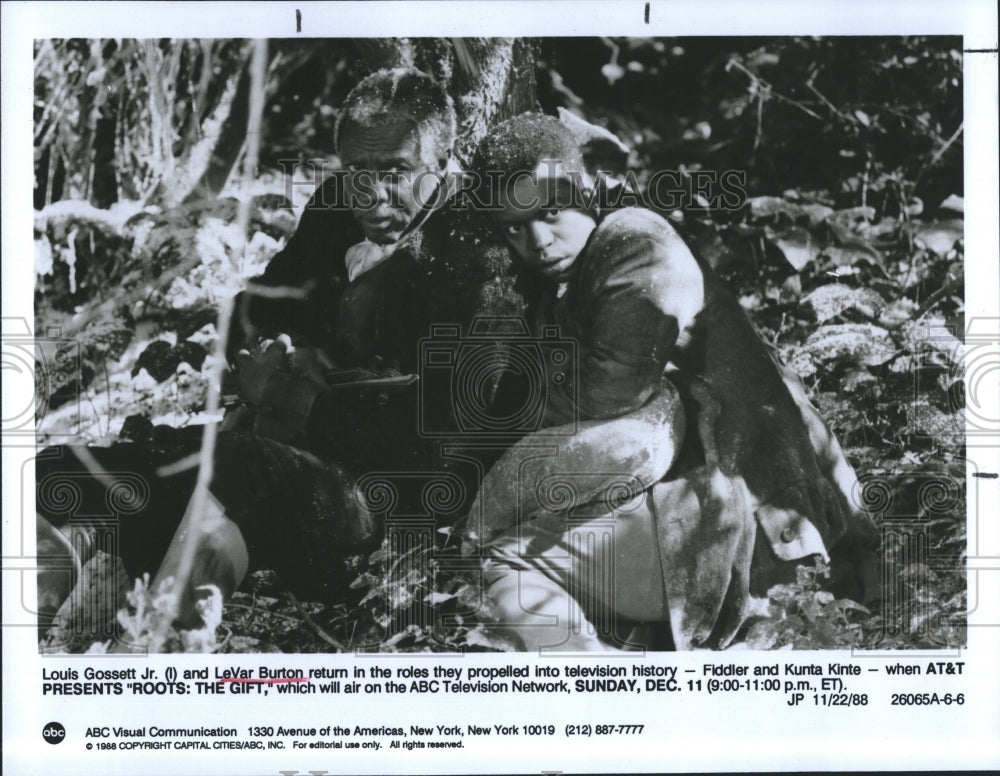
<point x="847" y="255"/>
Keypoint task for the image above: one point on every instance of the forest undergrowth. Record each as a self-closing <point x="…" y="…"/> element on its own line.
<point x="850" y="264"/>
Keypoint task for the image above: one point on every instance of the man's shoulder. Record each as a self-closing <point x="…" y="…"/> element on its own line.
<point x="638" y="241"/>
<point x="325" y="231"/>
<point x="328" y="205"/>
<point x="632" y="222"/>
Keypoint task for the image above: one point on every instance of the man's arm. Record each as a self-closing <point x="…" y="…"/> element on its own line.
<point x="349" y="423"/>
<point x="313" y="255"/>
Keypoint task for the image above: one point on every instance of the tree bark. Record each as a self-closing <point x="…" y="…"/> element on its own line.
<point x="490" y="79"/>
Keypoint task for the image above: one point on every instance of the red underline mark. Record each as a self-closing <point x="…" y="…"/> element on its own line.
<point x="263" y="681"/>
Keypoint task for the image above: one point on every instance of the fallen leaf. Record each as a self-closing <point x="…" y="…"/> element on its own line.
<point x="939" y="236"/>
<point x="924" y="419"/>
<point x="434" y="598"/>
<point x="953" y="203"/>
<point x="768" y="207"/>
<point x="795" y="244"/>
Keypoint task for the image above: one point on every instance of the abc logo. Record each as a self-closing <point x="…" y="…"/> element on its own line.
<point x="54" y="733"/>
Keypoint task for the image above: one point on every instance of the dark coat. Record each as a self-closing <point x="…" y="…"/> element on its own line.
<point x="453" y="270"/>
<point x="756" y="453"/>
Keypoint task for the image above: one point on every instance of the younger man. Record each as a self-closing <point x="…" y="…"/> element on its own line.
<point x="759" y="479"/>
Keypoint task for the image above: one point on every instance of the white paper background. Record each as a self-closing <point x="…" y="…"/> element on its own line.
<point x="693" y="733"/>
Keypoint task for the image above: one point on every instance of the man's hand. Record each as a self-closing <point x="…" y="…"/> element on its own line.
<point x="256" y="371"/>
<point x="282" y="383"/>
<point x="310" y="363"/>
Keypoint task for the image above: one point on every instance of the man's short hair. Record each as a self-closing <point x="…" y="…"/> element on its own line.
<point x="402" y="94"/>
<point x="522" y="143"/>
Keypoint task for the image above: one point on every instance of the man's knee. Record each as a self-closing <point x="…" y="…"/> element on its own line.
<point x="300" y="516"/>
<point x="222" y="557"/>
<point x="541" y="613"/>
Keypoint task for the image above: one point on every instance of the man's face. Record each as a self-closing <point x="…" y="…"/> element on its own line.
<point x="392" y="177"/>
<point x="547" y="235"/>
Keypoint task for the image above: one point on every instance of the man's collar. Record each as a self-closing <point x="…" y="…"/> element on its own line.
<point x="366" y="255"/>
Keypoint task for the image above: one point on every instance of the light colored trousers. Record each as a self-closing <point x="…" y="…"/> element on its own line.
<point x="567" y="522"/>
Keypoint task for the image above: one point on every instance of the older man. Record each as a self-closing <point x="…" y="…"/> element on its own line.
<point x="375" y="261"/>
<point x="379" y="257"/>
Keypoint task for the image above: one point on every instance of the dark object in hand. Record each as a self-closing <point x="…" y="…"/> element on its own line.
<point x="161" y="359"/>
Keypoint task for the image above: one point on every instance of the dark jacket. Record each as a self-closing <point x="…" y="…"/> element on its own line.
<point x="755" y="452"/>
<point x="452" y="270"/>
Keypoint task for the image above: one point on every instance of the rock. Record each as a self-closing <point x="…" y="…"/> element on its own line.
<point x="136" y="428"/>
<point x="856" y="343"/>
<point x="831" y="300"/>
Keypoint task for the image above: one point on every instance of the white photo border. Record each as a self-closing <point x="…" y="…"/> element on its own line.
<point x="729" y="733"/>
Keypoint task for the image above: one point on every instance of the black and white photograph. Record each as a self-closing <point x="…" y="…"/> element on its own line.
<point x="473" y="350"/>
<point x="536" y="365"/>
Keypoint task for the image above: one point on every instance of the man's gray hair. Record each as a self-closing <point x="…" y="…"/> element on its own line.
<point x="406" y="95"/>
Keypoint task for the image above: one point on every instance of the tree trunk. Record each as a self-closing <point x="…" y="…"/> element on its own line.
<point x="490" y="79"/>
<point x="204" y="165"/>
